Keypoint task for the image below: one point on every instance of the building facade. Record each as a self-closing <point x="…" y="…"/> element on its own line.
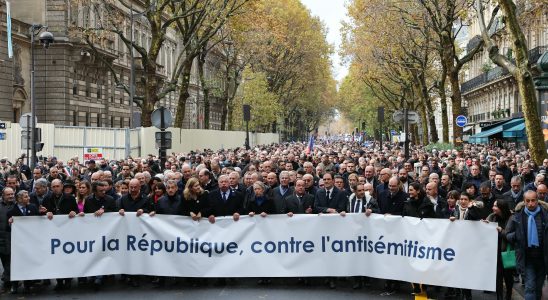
<point x="490" y="92"/>
<point x="74" y="87"/>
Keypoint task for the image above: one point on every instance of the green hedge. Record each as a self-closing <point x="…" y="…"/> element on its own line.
<point x="440" y="146"/>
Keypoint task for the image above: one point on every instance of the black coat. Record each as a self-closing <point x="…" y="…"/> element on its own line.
<point x="279" y="199"/>
<point x="127" y="203"/>
<point x="371" y="204"/>
<point x="392" y="204"/>
<point x="473" y="213"/>
<point x="512" y="202"/>
<point x="336" y="200"/>
<point x="516" y="234"/>
<point x="169" y="205"/>
<point x="93" y="204"/>
<point x="267" y="206"/>
<point x="199" y="205"/>
<point x="418" y="208"/>
<point x="218" y="207"/>
<point x="62" y="205"/>
<point x="298" y="206"/>
<point x="32" y="210"/>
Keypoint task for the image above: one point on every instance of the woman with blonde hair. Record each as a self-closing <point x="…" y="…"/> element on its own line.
<point x="194" y="199"/>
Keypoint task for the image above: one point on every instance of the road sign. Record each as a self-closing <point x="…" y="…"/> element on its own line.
<point x="2" y="125"/>
<point x="412" y="116"/>
<point x="393" y="132"/>
<point x="2" y="136"/>
<point x="93" y="153"/>
<point x="156" y="118"/>
<point x="461" y="121"/>
<point x="25" y="121"/>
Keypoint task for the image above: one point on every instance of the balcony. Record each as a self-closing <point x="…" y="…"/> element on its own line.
<point x="498" y="72"/>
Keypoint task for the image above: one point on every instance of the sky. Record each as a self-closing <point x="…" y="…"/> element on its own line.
<point x="331" y="12"/>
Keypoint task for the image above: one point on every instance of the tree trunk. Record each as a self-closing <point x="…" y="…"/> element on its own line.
<point x="524" y="79"/>
<point x="456" y="100"/>
<point x="535" y="137"/>
<point x="183" y="94"/>
<point x="443" y="104"/>
<point x="425" y="124"/>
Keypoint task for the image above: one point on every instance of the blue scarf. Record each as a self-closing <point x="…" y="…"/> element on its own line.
<point x="532" y="233"/>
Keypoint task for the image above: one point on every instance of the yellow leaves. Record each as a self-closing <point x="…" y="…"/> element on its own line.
<point x="264" y="105"/>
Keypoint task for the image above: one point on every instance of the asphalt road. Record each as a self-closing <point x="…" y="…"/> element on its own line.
<point x="240" y="289"/>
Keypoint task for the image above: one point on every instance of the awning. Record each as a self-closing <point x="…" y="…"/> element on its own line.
<point x="467" y="128"/>
<point x="516" y="131"/>
<point x="483" y="137"/>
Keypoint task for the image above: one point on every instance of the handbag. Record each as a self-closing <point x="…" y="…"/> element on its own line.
<point x="508" y="257"/>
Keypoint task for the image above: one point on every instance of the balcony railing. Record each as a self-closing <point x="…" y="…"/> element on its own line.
<point x="498" y="72"/>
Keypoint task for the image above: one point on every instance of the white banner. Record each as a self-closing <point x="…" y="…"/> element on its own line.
<point x="438" y="252"/>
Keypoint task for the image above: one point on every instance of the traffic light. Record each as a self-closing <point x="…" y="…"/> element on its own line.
<point x="39" y="146"/>
<point x="166" y="139"/>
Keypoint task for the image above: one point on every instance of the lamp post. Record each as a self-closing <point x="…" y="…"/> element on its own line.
<point x="46" y="38"/>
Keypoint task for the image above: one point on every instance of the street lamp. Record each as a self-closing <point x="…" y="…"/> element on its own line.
<point x="45" y="38"/>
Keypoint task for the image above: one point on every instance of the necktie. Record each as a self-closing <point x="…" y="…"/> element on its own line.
<point x="358" y="205"/>
<point x="24" y="211"/>
<point x="224" y="197"/>
<point x="327" y="193"/>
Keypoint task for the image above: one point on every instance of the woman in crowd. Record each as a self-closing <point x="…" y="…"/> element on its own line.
<point x="69" y="187"/>
<point x="418" y="206"/>
<point x="466" y="210"/>
<point x="84" y="190"/>
<point x="452" y="200"/>
<point x="194" y="199"/>
<point x="471" y="189"/>
<point x="501" y="214"/>
<point x="158" y="192"/>
<point x="263" y="204"/>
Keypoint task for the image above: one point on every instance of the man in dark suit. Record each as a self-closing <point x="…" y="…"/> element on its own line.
<point x="391" y="200"/>
<point x="234" y="182"/>
<point x="439" y="202"/>
<point x="515" y="194"/>
<point x="58" y="203"/>
<point x="22" y="208"/>
<point x="206" y="180"/>
<point x="98" y="203"/>
<point x="300" y="202"/>
<point x="329" y="200"/>
<point x="281" y="192"/>
<point x="40" y="193"/>
<point x="500" y="185"/>
<point x="370" y="176"/>
<point x="224" y="202"/>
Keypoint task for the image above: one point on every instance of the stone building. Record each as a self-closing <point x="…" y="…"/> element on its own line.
<point x="73" y="87"/>
<point x="490" y="92"/>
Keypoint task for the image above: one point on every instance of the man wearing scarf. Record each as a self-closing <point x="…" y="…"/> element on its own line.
<point x="527" y="230"/>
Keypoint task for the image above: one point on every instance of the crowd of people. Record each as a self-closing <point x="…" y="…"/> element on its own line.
<point x="476" y="183"/>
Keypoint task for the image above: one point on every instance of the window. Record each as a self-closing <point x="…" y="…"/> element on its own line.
<point x="75" y="87"/>
<point x="99" y="91"/>
<point x="88" y="89"/>
<point x="74" y="118"/>
<point x="112" y="121"/>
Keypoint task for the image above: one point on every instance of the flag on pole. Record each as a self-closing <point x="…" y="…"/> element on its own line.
<point x="8" y="21"/>
<point x="310" y="147"/>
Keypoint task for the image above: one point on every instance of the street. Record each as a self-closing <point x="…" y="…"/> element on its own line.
<point x="240" y="289"/>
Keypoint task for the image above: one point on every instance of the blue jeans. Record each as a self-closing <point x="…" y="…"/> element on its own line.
<point x="534" y="278"/>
